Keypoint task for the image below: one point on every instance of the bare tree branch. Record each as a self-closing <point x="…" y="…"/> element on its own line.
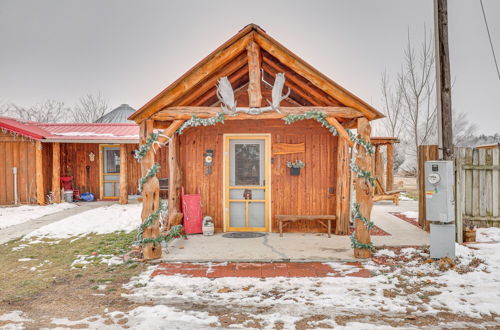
<point x="89" y="108"/>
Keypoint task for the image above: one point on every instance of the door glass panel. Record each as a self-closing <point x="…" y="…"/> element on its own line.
<point x="108" y="177"/>
<point x="111" y="160"/>
<point x="258" y="194"/>
<point x="237" y="214"/>
<point x="256" y="214"/>
<point x="247" y="162"/>
<point x="108" y="189"/>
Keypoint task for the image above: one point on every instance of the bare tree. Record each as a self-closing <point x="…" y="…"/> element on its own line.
<point x="417" y="84"/>
<point x="89" y="108"/>
<point x="463" y="129"/>
<point x="392" y="107"/>
<point x="49" y="111"/>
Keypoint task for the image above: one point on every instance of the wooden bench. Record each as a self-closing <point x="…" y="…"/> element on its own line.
<point x="284" y="220"/>
<point x="380" y="194"/>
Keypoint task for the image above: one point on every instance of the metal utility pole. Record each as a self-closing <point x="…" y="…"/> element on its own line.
<point x="443" y="80"/>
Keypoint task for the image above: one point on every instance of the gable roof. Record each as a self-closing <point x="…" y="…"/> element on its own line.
<point x="77" y="133"/>
<point x="232" y="53"/>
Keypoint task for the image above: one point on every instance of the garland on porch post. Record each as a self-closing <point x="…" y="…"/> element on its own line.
<point x="320" y="117"/>
<point x="176" y="231"/>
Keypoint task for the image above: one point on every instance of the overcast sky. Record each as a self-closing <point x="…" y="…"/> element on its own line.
<point x="130" y="51"/>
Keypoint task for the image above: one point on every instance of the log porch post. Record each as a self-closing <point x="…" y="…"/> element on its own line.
<point x="342" y="191"/>
<point x="150" y="195"/>
<point x="364" y="191"/>
<point x="390" y="167"/>
<point x="174" y="182"/>
<point x="123" y="175"/>
<point x="40" y="194"/>
<point x="379" y="165"/>
<point x="56" y="172"/>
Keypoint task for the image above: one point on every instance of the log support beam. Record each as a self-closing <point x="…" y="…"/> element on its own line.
<point x="364" y="191"/>
<point x="389" y="185"/>
<point x="186" y="112"/>
<point x="123" y="175"/>
<point x="343" y="190"/>
<point x="150" y="195"/>
<point x="254" y="65"/>
<point x="340" y="130"/>
<point x="40" y="193"/>
<point x="56" y="172"/>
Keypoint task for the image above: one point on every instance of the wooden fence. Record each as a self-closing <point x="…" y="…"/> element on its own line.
<point x="477" y="186"/>
<point x="477" y="195"/>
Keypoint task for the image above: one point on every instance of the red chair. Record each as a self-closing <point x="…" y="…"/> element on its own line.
<point x="67" y="184"/>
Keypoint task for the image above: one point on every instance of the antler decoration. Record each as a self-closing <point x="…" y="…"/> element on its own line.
<point x="225" y="94"/>
<point x="279" y="83"/>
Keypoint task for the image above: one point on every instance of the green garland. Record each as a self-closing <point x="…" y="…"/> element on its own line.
<point x="151" y="219"/>
<point x="320" y="117"/>
<point x="173" y="233"/>
<point x="144" y="148"/>
<point x="361" y="173"/>
<point x="149" y="174"/>
<point x="355" y="244"/>
<point x="357" y="215"/>
<point x="356" y="139"/>
<point x="197" y="121"/>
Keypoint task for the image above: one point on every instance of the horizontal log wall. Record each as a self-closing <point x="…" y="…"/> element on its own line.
<point x="307" y="194"/>
<point x="20" y="153"/>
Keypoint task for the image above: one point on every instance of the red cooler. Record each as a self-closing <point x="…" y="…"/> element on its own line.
<point x="191" y="208"/>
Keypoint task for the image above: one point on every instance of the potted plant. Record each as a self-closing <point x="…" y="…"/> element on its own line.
<point x="295" y="167"/>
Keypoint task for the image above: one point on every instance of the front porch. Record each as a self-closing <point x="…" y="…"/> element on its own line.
<point x="299" y="247"/>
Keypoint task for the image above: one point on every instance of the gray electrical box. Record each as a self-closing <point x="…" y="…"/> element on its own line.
<point x="440" y="207"/>
<point x="439" y="195"/>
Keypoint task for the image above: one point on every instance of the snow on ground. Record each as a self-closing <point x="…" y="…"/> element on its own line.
<point x="410" y="214"/>
<point x="11" y="216"/>
<point x="102" y="220"/>
<point x="470" y="287"/>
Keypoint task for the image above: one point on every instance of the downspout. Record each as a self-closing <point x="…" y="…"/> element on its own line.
<point x="16" y="197"/>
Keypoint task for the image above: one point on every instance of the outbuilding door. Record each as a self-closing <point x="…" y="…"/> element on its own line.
<point x="247" y="182"/>
<point x="110" y="175"/>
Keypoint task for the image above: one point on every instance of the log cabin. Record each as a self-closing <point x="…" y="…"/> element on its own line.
<point x="224" y="123"/>
<point x="97" y="157"/>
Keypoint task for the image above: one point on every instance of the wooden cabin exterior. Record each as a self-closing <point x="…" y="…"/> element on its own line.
<point x="248" y="182"/>
<point x="79" y="150"/>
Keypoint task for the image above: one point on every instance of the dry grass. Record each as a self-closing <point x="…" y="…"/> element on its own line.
<point x="51" y="264"/>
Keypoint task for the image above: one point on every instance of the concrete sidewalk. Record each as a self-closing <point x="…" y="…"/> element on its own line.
<point x="13" y="232"/>
<point x="296" y="246"/>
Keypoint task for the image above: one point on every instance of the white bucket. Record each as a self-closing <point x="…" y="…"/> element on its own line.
<point x="68" y="196"/>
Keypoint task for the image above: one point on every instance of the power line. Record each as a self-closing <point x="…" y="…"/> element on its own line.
<point x="489" y="37"/>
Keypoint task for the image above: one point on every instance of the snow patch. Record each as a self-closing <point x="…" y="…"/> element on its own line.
<point x="102" y="220"/>
<point x="11" y="216"/>
<point x="410" y="214"/>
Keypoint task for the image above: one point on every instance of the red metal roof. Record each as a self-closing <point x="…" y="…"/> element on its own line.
<point x="80" y="132"/>
<point x="91" y="131"/>
<point x="24" y="128"/>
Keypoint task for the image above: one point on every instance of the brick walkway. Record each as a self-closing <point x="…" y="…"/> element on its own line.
<point x="262" y="270"/>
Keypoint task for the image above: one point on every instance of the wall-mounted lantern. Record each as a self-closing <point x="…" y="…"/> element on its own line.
<point x="91" y="156"/>
<point x="209" y="158"/>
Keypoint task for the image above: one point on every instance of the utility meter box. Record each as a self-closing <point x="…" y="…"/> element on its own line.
<point x="439" y="194"/>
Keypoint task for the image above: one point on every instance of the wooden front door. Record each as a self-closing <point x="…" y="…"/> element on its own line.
<point x="110" y="174"/>
<point x="247" y="182"/>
